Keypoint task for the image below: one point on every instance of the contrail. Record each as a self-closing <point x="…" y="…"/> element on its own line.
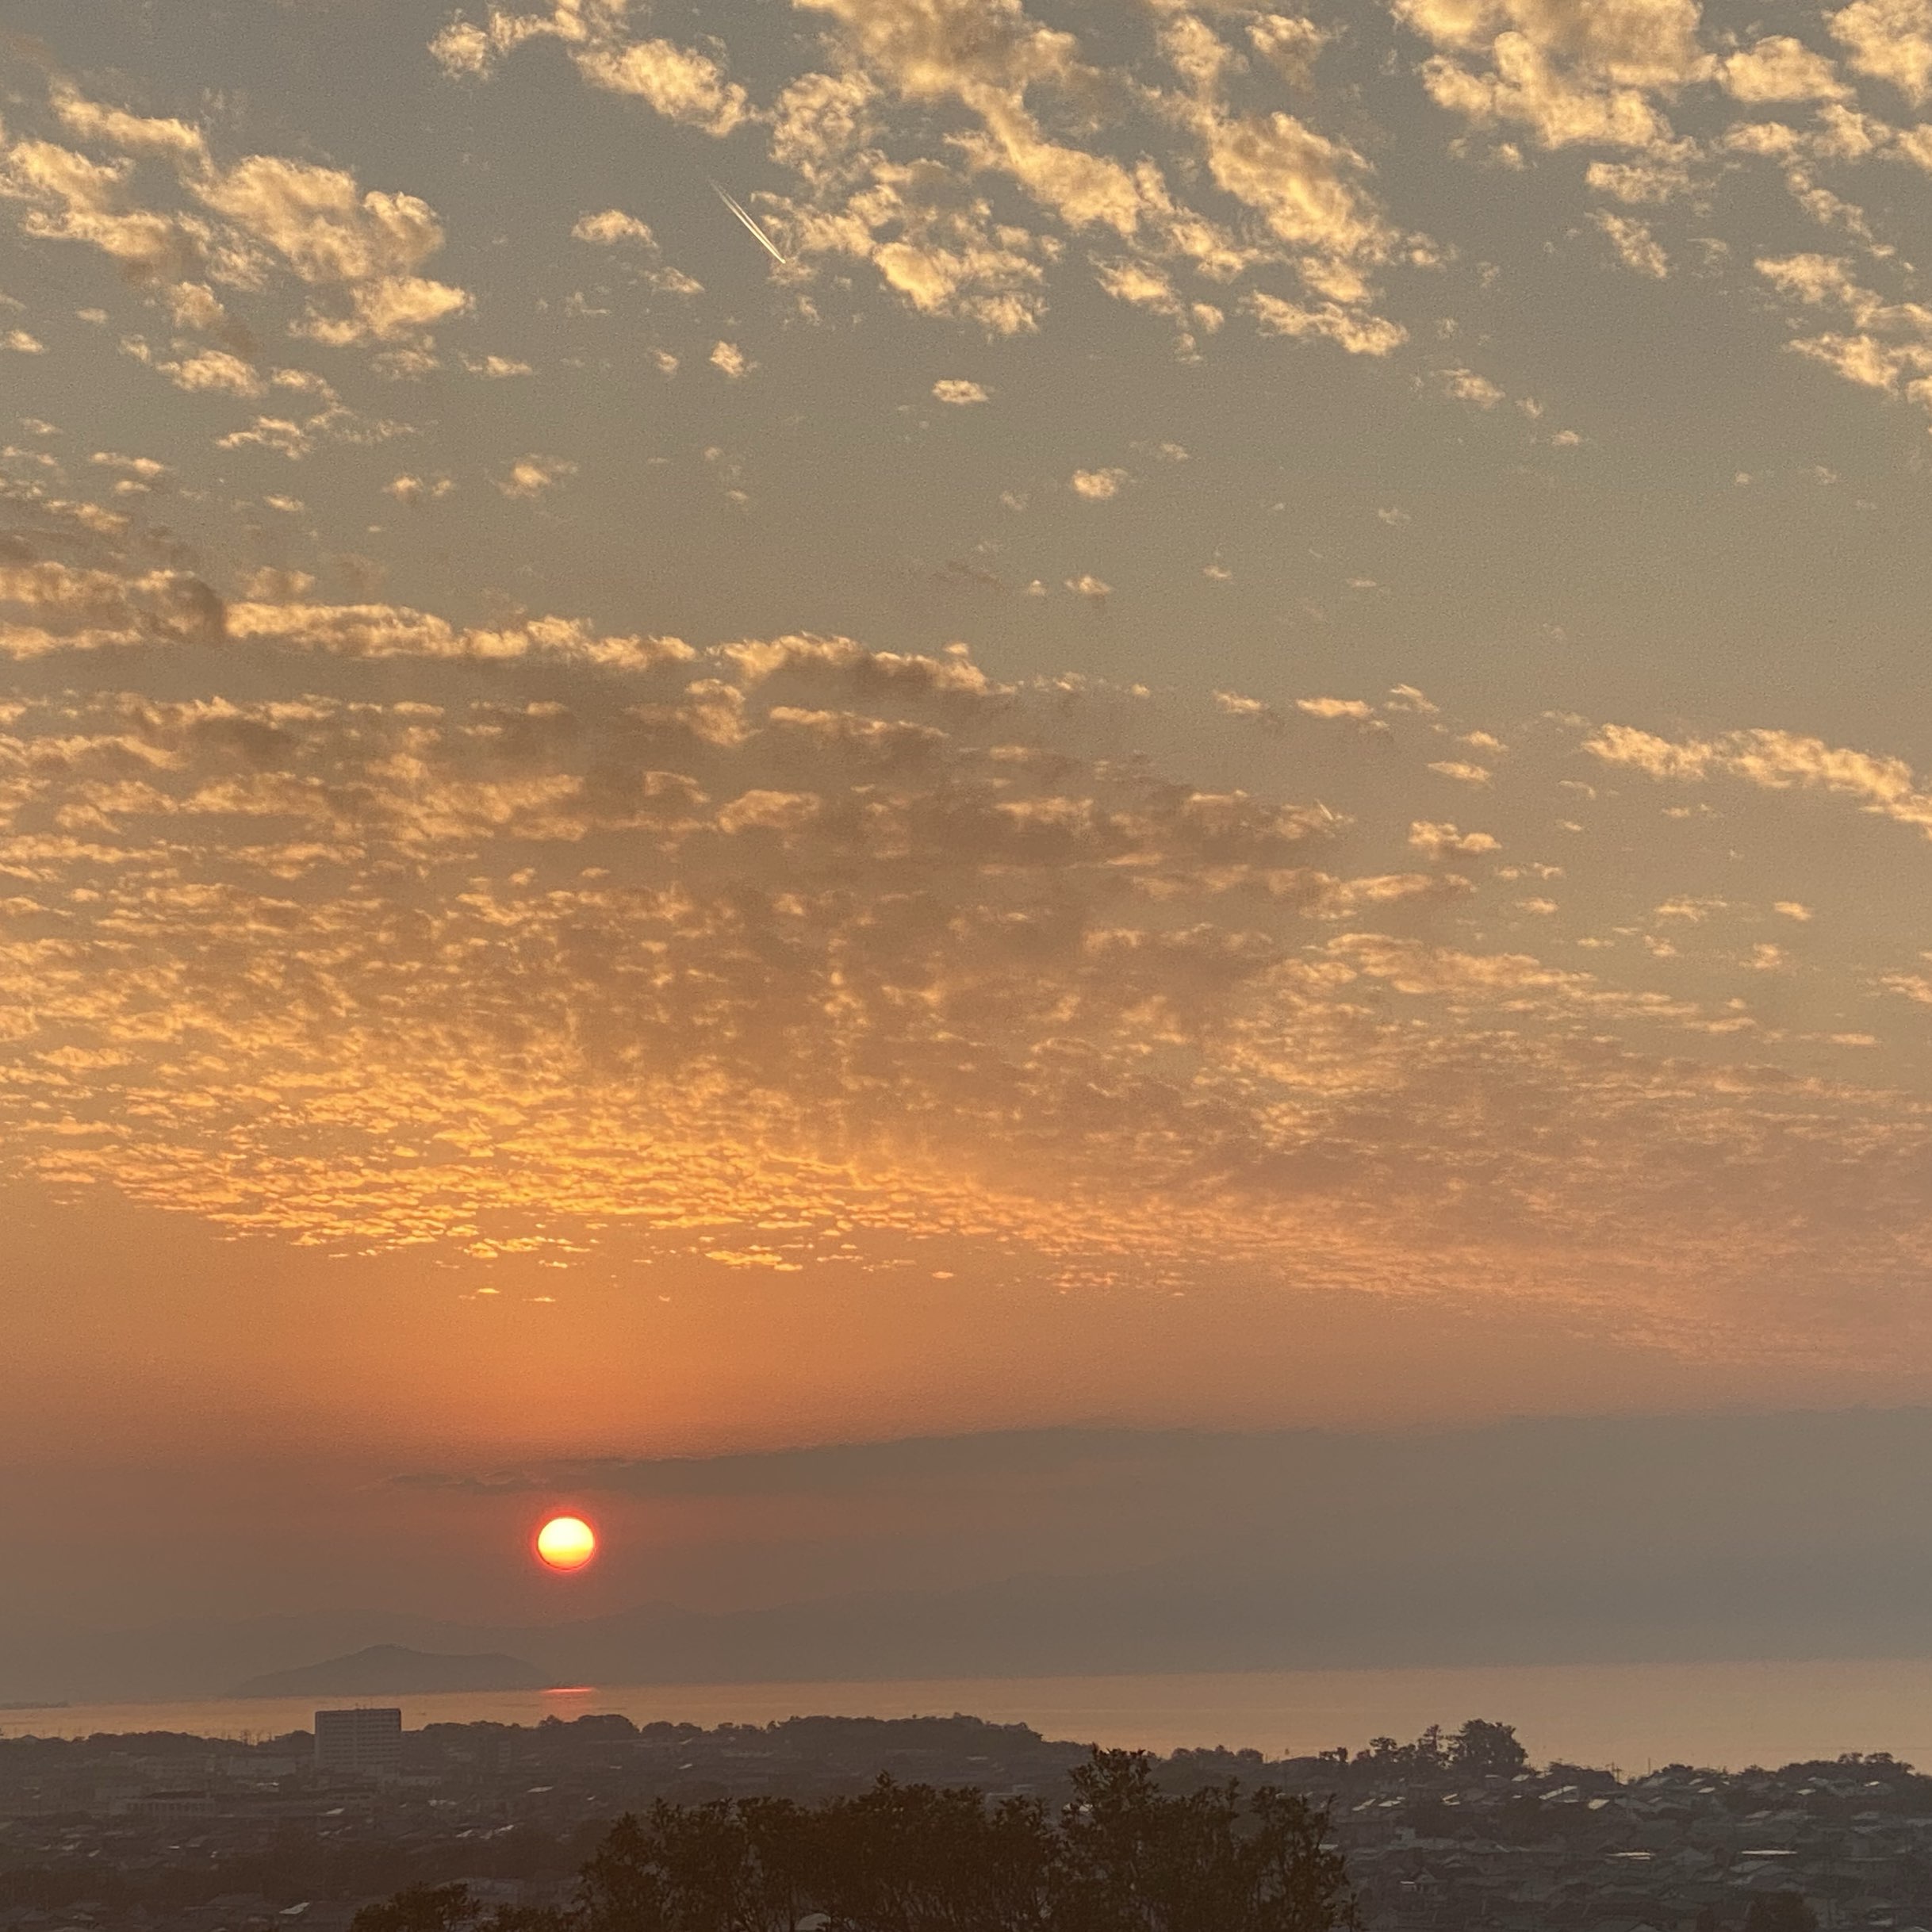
<point x="765" y="240"/>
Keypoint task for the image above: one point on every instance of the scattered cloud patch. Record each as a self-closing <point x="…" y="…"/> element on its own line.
<point x="530" y="476"/>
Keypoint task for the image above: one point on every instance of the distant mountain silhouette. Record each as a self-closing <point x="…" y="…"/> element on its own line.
<point x="392" y="1668"/>
<point x="1176" y="1617"/>
<point x="1764" y="1536"/>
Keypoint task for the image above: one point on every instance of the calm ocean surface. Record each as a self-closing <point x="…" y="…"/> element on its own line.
<point x="1630" y="1716"/>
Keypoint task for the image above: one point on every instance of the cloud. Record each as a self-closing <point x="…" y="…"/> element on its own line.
<point x="939" y="249"/>
<point x="146" y="470"/>
<point x="743" y="951"/>
<point x="532" y="476"/>
<point x="329" y="233"/>
<point x="1888" y="344"/>
<point x="1572" y="72"/>
<point x="1779" y="68"/>
<point x="1440" y="840"/>
<point x="58" y="606"/>
<point x="1662" y="175"/>
<point x="215" y="369"/>
<point x="792" y="928"/>
<point x="418" y="489"/>
<point x="1636" y="246"/>
<point x="1775" y="761"/>
<point x="1307" y="189"/>
<point x="612" y="227"/>
<point x="1014" y="99"/>
<point x="1889" y="40"/>
<point x="280" y="434"/>
<point x="679" y="82"/>
<point x="382" y="631"/>
<point x="110" y="127"/>
<point x="71" y="197"/>
<point x="1466" y="386"/>
<point x="1360" y="334"/>
<point x="319" y="221"/>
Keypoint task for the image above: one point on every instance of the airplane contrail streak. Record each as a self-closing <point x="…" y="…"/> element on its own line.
<point x="765" y="240"/>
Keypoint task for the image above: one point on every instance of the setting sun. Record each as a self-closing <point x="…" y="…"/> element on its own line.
<point x="566" y="1542"/>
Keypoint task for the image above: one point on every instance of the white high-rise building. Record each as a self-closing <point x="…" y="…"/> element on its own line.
<point x="366" y="1741"/>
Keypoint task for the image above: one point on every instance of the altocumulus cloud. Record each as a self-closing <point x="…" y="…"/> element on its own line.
<point x="1210" y="168"/>
<point x="762" y="944"/>
<point x="1239" y="204"/>
<point x="202" y="233"/>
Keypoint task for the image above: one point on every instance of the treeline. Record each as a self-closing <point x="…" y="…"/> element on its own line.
<point x="1120" y="1856"/>
<point x="1476" y="1750"/>
<point x="295" y="1864"/>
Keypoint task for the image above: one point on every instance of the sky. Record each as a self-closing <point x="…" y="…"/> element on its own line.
<point x="1092" y="1552"/>
<point x="738" y="727"/>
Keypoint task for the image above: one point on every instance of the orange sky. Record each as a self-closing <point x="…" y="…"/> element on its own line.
<point x="1238" y="743"/>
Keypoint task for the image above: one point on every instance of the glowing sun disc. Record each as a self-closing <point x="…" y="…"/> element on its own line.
<point x="566" y="1542"/>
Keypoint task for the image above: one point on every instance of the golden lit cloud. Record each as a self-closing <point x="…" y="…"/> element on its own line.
<point x="888" y="731"/>
<point x="795" y="935"/>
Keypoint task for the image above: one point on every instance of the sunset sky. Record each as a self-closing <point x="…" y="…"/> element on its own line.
<point x="738" y="726"/>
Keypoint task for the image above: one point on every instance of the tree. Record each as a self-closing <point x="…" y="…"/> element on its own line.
<point x="621" y="1888"/>
<point x="1133" y="1859"/>
<point x="1484" y="1749"/>
<point x="1123" y="1856"/>
<point x="450" y="1908"/>
<point x="1780" y="1911"/>
<point x="420" y="1908"/>
<point x="720" y="1867"/>
<point x="1298" y="1884"/>
<point x="913" y="1858"/>
<point x="1430" y="1752"/>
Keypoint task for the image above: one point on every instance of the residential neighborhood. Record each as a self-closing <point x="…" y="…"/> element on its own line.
<point x="1455" y="1832"/>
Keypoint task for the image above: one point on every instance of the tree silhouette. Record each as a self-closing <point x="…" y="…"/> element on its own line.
<point x="419" y="1908"/>
<point x="720" y="1867"/>
<point x="1133" y="1859"/>
<point x="1780" y="1911"/>
<point x="1487" y="1750"/>
<point x="912" y="1858"/>
<point x="1123" y="1856"/>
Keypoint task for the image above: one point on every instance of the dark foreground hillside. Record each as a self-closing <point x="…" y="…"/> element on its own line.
<point x="169" y="1834"/>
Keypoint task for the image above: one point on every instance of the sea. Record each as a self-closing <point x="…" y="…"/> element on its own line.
<point x="1632" y="1717"/>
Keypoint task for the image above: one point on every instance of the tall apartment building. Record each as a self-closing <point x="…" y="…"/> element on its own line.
<point x="365" y="1742"/>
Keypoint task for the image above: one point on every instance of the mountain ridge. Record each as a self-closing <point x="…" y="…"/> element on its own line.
<point x="396" y="1669"/>
<point x="1172" y="1617"/>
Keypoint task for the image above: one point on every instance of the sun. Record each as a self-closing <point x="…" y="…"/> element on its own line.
<point x="566" y="1542"/>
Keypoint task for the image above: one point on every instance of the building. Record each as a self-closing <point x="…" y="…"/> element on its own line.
<point x="365" y="1742"/>
<point x="168" y="1807"/>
